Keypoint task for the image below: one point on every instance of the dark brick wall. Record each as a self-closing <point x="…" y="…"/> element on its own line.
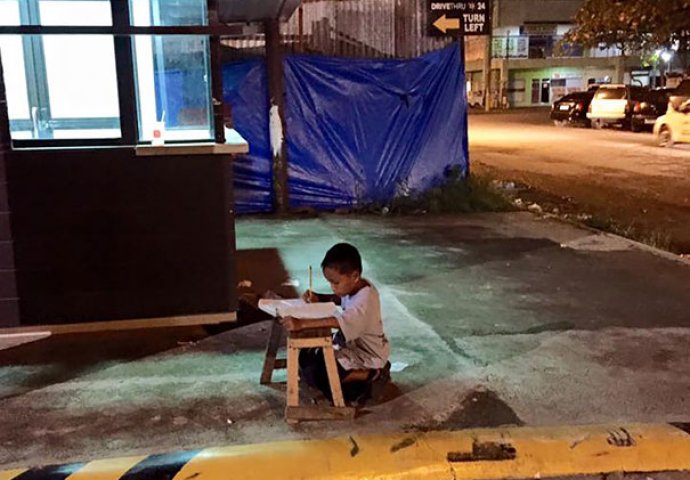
<point x="9" y="314"/>
<point x="101" y="234"/>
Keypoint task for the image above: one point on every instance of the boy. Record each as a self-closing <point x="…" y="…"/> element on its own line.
<point x="361" y="347"/>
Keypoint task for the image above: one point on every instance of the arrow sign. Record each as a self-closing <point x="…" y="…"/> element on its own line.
<point x="458" y="17"/>
<point x="444" y="23"/>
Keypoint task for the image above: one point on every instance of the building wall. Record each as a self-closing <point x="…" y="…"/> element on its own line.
<point x="559" y="80"/>
<point x="519" y="12"/>
<point x="102" y="234"/>
<point x="9" y="303"/>
<point x="526" y="56"/>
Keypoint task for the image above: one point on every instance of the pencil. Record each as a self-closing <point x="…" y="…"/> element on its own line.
<point x="311" y="285"/>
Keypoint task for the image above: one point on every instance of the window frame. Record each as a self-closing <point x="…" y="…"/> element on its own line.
<point x="38" y="89"/>
<point x="123" y="32"/>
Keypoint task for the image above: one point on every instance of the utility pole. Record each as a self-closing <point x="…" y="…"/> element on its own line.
<point x="486" y="73"/>
<point x="461" y="47"/>
<point x="505" y="72"/>
<point x="276" y="115"/>
<point x="216" y="75"/>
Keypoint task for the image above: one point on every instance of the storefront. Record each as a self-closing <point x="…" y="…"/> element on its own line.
<point x="101" y="224"/>
<point x="537" y="87"/>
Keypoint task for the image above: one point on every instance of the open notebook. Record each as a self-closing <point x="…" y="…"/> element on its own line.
<point x="297" y="308"/>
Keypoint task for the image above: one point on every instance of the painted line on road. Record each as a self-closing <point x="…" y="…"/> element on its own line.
<point x="516" y="452"/>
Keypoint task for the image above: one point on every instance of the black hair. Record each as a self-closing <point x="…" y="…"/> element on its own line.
<point x="343" y="257"/>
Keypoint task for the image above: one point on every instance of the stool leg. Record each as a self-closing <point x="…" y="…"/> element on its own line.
<point x="333" y="378"/>
<point x="271" y="352"/>
<point x="292" y="375"/>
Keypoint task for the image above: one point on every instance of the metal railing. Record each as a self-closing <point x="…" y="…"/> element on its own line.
<point x="542" y="46"/>
<point x="352" y="28"/>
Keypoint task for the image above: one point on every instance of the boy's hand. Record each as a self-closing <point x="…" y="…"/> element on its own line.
<point x="310" y="297"/>
<point x="292" y="324"/>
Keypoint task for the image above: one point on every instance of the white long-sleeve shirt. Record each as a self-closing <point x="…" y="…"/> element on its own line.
<point x="366" y="345"/>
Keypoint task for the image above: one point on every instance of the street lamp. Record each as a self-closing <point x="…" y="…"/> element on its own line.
<point x="666" y="56"/>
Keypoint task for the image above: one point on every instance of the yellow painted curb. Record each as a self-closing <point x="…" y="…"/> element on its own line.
<point x="109" y="469"/>
<point x="519" y="452"/>
<point x="10" y="474"/>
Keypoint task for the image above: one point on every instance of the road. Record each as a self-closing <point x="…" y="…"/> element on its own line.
<point x="611" y="173"/>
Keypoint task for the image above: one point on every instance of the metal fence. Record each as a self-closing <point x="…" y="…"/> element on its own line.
<point x="543" y="46"/>
<point x="352" y="28"/>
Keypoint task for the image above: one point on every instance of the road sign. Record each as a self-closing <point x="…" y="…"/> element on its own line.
<point x="470" y="17"/>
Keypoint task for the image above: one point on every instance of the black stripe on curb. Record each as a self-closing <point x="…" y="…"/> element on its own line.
<point x="160" y="467"/>
<point x="683" y="426"/>
<point x="51" y="472"/>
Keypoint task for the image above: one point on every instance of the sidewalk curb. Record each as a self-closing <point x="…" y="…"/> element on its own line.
<point x="603" y="233"/>
<point x="515" y="452"/>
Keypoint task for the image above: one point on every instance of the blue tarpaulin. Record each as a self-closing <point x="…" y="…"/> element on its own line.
<point x="177" y="91"/>
<point x="245" y="89"/>
<point x="358" y="131"/>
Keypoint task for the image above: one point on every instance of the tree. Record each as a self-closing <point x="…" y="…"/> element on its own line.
<point x="633" y="26"/>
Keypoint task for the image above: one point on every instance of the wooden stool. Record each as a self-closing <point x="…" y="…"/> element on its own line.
<point x="308" y="338"/>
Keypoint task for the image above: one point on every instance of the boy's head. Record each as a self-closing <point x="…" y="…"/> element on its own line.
<point x="342" y="267"/>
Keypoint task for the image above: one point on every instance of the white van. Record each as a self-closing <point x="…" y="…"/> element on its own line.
<point x="613" y="104"/>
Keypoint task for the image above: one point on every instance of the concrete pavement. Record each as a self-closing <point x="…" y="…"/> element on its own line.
<point x="500" y="319"/>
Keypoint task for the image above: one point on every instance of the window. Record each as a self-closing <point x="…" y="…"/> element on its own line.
<point x="9" y="12"/>
<point x="173" y="84"/>
<point x="159" y="13"/>
<point x="173" y="72"/>
<point x="81" y="86"/>
<point x="60" y="86"/>
<point x="64" y="85"/>
<point x="75" y="12"/>
<point x="610" y="93"/>
<point x="11" y="52"/>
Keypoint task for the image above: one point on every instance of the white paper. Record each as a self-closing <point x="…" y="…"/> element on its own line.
<point x="297" y="308"/>
<point x="398" y="366"/>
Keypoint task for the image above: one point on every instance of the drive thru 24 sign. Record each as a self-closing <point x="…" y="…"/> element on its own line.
<point x="459" y="18"/>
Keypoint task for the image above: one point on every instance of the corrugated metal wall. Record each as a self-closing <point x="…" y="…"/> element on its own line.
<point x="353" y="28"/>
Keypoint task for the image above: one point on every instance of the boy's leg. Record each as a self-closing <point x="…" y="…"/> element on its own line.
<point x="310" y="366"/>
<point x="313" y="370"/>
<point x="357" y="390"/>
<point x="362" y="389"/>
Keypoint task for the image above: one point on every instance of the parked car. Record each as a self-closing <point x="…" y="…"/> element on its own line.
<point x="475" y="99"/>
<point x="613" y="105"/>
<point x="683" y="89"/>
<point x="572" y="109"/>
<point x="681" y="94"/>
<point x="652" y="106"/>
<point x="674" y="126"/>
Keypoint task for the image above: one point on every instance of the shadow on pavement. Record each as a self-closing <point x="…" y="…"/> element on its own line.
<point x="67" y="356"/>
